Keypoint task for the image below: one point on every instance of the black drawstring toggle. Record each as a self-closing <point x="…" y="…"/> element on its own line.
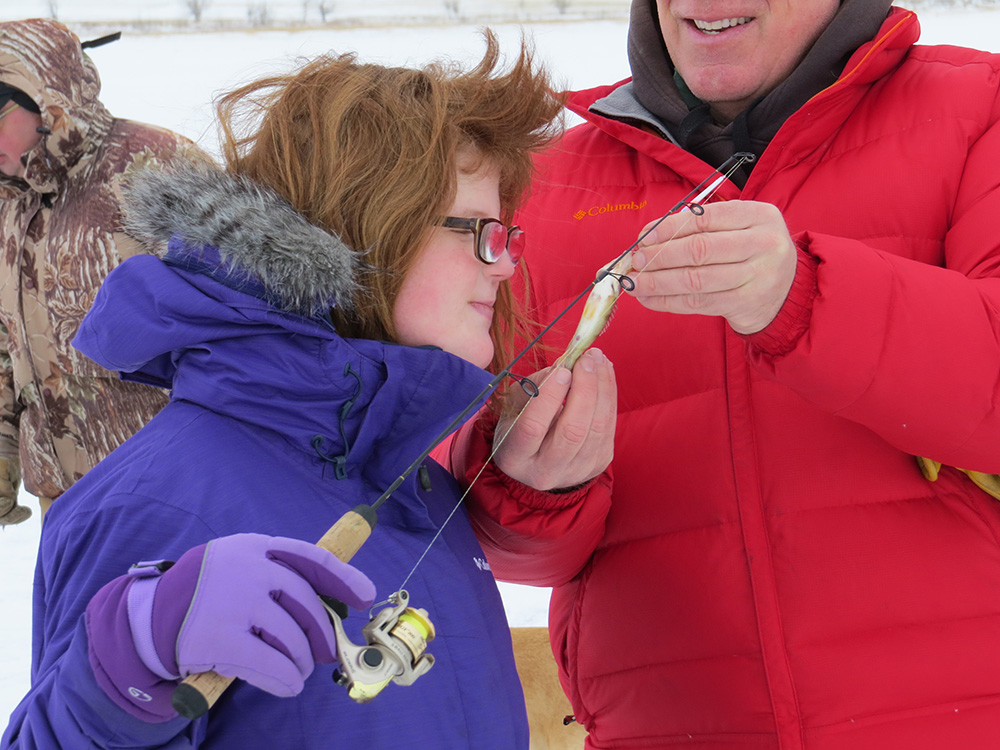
<point x="340" y="462"/>
<point x="425" y="478"/>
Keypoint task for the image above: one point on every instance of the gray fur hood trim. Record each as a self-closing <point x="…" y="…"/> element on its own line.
<point x="302" y="268"/>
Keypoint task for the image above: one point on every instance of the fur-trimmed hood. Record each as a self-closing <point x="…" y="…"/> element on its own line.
<point x="265" y="246"/>
<point x="234" y="319"/>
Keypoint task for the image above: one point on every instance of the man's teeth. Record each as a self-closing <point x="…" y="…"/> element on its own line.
<point x="714" y="27"/>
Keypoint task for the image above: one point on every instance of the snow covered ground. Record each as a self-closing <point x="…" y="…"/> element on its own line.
<point x="261" y="13"/>
<point x="170" y="79"/>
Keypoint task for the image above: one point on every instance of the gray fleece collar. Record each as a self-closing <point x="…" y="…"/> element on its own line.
<point x="303" y="268"/>
<point x="622" y="104"/>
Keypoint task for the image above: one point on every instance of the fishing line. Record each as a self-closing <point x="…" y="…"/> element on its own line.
<point x="740" y="158"/>
<point x="694" y="198"/>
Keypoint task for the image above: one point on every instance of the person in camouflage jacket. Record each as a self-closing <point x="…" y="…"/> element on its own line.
<point x="60" y="413"/>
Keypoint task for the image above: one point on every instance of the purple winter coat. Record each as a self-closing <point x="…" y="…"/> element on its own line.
<point x="264" y="403"/>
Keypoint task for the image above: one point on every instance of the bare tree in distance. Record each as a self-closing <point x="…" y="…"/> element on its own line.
<point x="197" y="8"/>
<point x="451" y="6"/>
<point x="53" y="9"/>
<point x="325" y="8"/>
<point x="562" y="6"/>
<point x="258" y="14"/>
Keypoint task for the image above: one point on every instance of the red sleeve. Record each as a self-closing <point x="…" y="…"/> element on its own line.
<point x="529" y="536"/>
<point x="792" y="321"/>
<point x="910" y="350"/>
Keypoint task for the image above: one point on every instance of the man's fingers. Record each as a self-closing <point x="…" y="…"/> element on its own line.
<point x="694" y="251"/>
<point x="716" y="217"/>
<point x="710" y="279"/>
<point x="522" y="431"/>
<point x="563" y="437"/>
<point x="595" y="453"/>
<point x="577" y="448"/>
<point x="606" y="413"/>
<point x="573" y="425"/>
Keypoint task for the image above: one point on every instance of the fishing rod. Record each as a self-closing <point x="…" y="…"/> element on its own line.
<point x="603" y="293"/>
<point x="396" y="638"/>
<point x="699" y="192"/>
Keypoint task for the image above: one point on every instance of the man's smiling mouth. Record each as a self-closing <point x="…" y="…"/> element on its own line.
<point x="717" y="27"/>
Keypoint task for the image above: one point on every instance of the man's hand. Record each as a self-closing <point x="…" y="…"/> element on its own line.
<point x="564" y="436"/>
<point x="736" y="260"/>
<point x="10" y="479"/>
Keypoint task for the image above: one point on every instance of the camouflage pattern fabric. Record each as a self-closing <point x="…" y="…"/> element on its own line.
<point x="60" y="235"/>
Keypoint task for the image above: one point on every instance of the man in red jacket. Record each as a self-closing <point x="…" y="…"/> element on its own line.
<point x="769" y="568"/>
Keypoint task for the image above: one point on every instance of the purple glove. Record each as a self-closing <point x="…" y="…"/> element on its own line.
<point x="245" y="606"/>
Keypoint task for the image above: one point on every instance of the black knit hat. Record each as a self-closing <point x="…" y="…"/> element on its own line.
<point x="9" y="92"/>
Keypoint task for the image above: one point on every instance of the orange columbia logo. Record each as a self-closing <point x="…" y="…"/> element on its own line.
<point x="608" y="208"/>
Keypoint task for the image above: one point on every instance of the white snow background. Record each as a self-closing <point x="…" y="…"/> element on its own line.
<point x="168" y="75"/>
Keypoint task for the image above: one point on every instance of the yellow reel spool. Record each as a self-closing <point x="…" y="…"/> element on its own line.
<point x="415" y="630"/>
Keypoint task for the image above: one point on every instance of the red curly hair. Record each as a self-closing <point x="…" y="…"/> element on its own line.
<point x="372" y="153"/>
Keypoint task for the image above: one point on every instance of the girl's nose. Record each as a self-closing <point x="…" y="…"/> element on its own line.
<point x="502" y="269"/>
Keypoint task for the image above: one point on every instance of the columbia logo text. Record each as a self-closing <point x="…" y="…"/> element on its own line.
<point x="608" y="208"/>
<point x="481" y="563"/>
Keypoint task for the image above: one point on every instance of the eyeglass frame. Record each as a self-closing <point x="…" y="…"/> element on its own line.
<point x="476" y="226"/>
<point x="5" y="112"/>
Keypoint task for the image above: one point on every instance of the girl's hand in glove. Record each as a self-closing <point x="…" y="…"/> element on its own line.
<point x="245" y="606"/>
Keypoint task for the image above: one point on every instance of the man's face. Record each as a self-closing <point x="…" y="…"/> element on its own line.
<point x="18" y="135"/>
<point x="730" y="52"/>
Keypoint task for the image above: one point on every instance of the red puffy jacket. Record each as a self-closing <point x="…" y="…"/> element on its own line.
<point x="771" y="569"/>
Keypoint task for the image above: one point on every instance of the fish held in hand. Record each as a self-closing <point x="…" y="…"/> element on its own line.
<point x="598" y="308"/>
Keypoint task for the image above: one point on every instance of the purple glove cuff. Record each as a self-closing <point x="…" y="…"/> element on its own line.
<point x="118" y="668"/>
<point x="140" y="617"/>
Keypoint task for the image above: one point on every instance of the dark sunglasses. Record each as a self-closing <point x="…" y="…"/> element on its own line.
<point x="492" y="238"/>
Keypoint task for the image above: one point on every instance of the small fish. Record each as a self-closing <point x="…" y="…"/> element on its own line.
<point x="596" y="311"/>
<point x="602" y="298"/>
